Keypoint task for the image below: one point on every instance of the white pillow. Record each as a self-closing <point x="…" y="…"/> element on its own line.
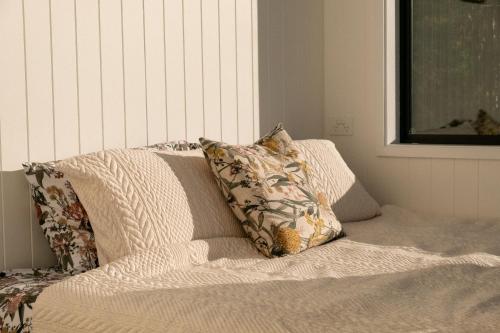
<point x="138" y="199"/>
<point x="349" y="199"/>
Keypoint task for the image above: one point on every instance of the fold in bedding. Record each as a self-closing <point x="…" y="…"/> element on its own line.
<point x="392" y="280"/>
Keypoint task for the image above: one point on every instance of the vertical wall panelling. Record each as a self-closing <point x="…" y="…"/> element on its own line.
<point x="2" y="212"/>
<point x="2" y="215"/>
<point x="419" y="184"/>
<point x="244" y="70"/>
<point x="303" y="66"/>
<point x="14" y="136"/>
<point x="374" y="173"/>
<point x="442" y="182"/>
<point x="39" y="79"/>
<point x="229" y="100"/>
<point x="466" y="188"/>
<point x="135" y="73"/>
<point x="255" y="69"/>
<point x="396" y="188"/>
<point x="112" y="74"/>
<point x="488" y="187"/>
<point x="194" y="68"/>
<point x="154" y="37"/>
<point x="39" y="83"/>
<point x="13" y="86"/>
<point x="211" y="68"/>
<point x="66" y="128"/>
<point x="272" y="76"/>
<point x="176" y="87"/>
<point x="264" y="63"/>
<point x="89" y="75"/>
<point x="78" y="76"/>
<point x="41" y="110"/>
<point x="16" y="204"/>
<point x="292" y="67"/>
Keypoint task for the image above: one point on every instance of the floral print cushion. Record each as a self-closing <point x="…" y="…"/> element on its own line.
<point x="19" y="289"/>
<point x="269" y="188"/>
<point x="62" y="217"/>
<point x="173" y="146"/>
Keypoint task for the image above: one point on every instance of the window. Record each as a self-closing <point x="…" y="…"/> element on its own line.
<point x="449" y="71"/>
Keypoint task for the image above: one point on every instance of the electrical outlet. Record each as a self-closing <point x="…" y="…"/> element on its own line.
<point x="341" y="126"/>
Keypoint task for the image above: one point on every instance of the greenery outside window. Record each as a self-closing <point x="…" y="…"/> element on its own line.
<point x="449" y="71"/>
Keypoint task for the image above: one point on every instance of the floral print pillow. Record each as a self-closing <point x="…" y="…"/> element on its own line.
<point x="269" y="188"/>
<point x="173" y="146"/>
<point x="62" y="217"/>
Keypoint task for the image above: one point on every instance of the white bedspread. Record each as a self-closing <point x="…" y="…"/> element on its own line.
<point x="363" y="283"/>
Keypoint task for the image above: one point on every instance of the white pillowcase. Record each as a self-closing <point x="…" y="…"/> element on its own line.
<point x="139" y="199"/>
<point x="349" y="199"/>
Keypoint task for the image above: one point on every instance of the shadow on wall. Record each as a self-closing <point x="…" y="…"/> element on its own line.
<point x="23" y="243"/>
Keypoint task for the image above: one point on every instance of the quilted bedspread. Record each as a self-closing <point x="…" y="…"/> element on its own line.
<point x="397" y="273"/>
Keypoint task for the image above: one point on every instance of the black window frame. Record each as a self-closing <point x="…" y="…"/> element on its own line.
<point x="405" y="90"/>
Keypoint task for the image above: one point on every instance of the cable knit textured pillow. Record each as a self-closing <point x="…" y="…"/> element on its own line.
<point x="137" y="199"/>
<point x="348" y="198"/>
<point x="270" y="189"/>
<point x="62" y="217"/>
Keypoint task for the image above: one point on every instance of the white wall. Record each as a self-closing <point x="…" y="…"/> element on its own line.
<point x="354" y="74"/>
<point x="78" y="76"/>
<point x="351" y="48"/>
<point x="291" y="66"/>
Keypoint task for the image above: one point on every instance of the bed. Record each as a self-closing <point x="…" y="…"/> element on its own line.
<point x="399" y="272"/>
<point x="174" y="255"/>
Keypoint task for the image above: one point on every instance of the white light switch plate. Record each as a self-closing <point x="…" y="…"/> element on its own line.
<point x="341" y="126"/>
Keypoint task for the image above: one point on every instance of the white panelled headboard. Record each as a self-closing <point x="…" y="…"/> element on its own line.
<point x="77" y="76"/>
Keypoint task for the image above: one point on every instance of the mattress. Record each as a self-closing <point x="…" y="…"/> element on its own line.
<point x="19" y="290"/>
<point x="400" y="272"/>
